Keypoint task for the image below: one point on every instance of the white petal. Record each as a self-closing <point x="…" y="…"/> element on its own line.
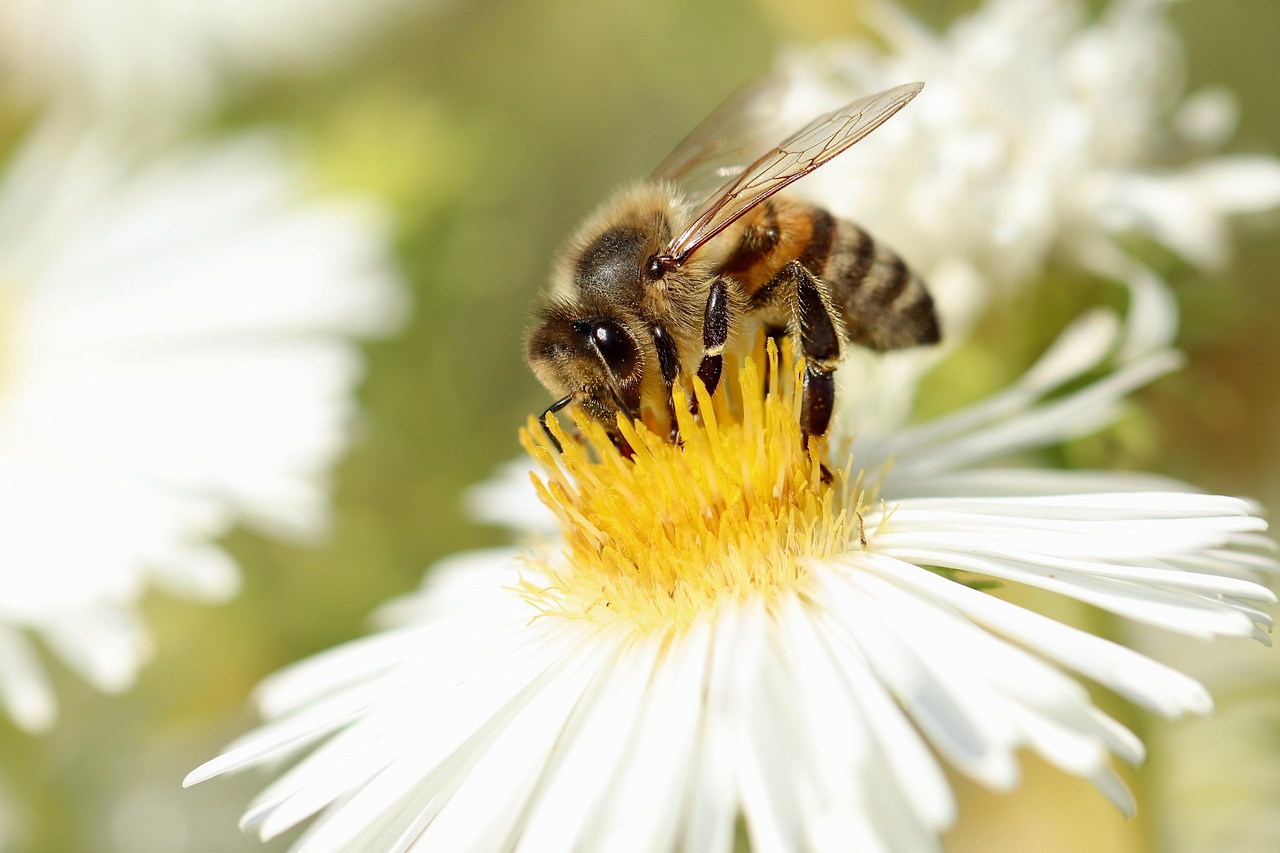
<point x="105" y="645"/>
<point x="1076" y="414"/>
<point x="509" y="500"/>
<point x="1046" y="710"/>
<point x="712" y="806"/>
<point x="957" y="724"/>
<point x="1080" y="348"/>
<point x="1138" y="678"/>
<point x="24" y="688"/>
<point x="858" y="791"/>
<point x="1153" y="312"/>
<point x="1239" y="183"/>
<point x="487" y="810"/>
<point x="905" y="754"/>
<point x="199" y="572"/>
<point x="1183" y="612"/>
<point x="456" y="732"/>
<point x="1000" y="482"/>
<point x="348" y="760"/>
<point x="515" y="654"/>
<point x="642" y="806"/>
<point x="603" y="727"/>
<point x="764" y="741"/>
<point x="476" y="581"/>
<point x="1208" y="117"/>
<point x="1114" y="789"/>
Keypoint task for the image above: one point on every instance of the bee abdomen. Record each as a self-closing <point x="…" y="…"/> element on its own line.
<point x="883" y="303"/>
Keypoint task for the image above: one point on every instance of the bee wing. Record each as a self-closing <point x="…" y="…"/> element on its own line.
<point x="796" y="156"/>
<point x="726" y="142"/>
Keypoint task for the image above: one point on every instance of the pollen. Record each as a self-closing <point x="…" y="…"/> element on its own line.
<point x="734" y="508"/>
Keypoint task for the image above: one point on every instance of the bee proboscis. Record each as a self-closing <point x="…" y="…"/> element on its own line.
<point x="657" y="282"/>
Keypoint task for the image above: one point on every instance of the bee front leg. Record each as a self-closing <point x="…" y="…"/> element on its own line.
<point x="550" y="413"/>
<point x="669" y="365"/>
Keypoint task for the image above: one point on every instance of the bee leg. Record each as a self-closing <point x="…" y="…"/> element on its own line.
<point x="669" y="364"/>
<point x="551" y="410"/>
<point x="820" y="335"/>
<point x="715" y="334"/>
<point x="820" y="343"/>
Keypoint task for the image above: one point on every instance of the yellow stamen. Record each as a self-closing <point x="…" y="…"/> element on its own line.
<point x="734" y="510"/>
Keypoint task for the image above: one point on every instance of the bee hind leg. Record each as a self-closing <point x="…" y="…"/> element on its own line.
<point x="816" y="325"/>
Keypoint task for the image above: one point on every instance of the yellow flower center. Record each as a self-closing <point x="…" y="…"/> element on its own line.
<point x="733" y="510"/>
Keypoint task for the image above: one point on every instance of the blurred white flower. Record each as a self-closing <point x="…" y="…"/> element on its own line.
<point x="1040" y="132"/>
<point x="174" y="357"/>
<point x="720" y="633"/>
<point x="162" y="60"/>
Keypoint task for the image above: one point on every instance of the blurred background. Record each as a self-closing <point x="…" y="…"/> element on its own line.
<point x="489" y="128"/>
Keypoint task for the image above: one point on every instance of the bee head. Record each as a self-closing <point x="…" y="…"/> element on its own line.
<point x="590" y="356"/>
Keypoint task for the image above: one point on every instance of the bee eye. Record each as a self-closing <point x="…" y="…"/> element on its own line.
<point x="615" y="345"/>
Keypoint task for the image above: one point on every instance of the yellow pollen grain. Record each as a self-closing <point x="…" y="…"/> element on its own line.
<point x="733" y="510"/>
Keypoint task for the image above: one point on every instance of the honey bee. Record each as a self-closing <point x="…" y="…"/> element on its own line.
<point x="653" y="287"/>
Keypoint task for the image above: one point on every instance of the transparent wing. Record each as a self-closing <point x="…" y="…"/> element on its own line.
<point x="726" y="142"/>
<point x="808" y="148"/>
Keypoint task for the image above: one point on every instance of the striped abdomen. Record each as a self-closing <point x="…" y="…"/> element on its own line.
<point x="883" y="304"/>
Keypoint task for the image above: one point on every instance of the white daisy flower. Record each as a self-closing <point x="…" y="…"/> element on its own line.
<point x="1041" y="132"/>
<point x="174" y="357"/>
<point x="720" y="632"/>
<point x="164" y="59"/>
